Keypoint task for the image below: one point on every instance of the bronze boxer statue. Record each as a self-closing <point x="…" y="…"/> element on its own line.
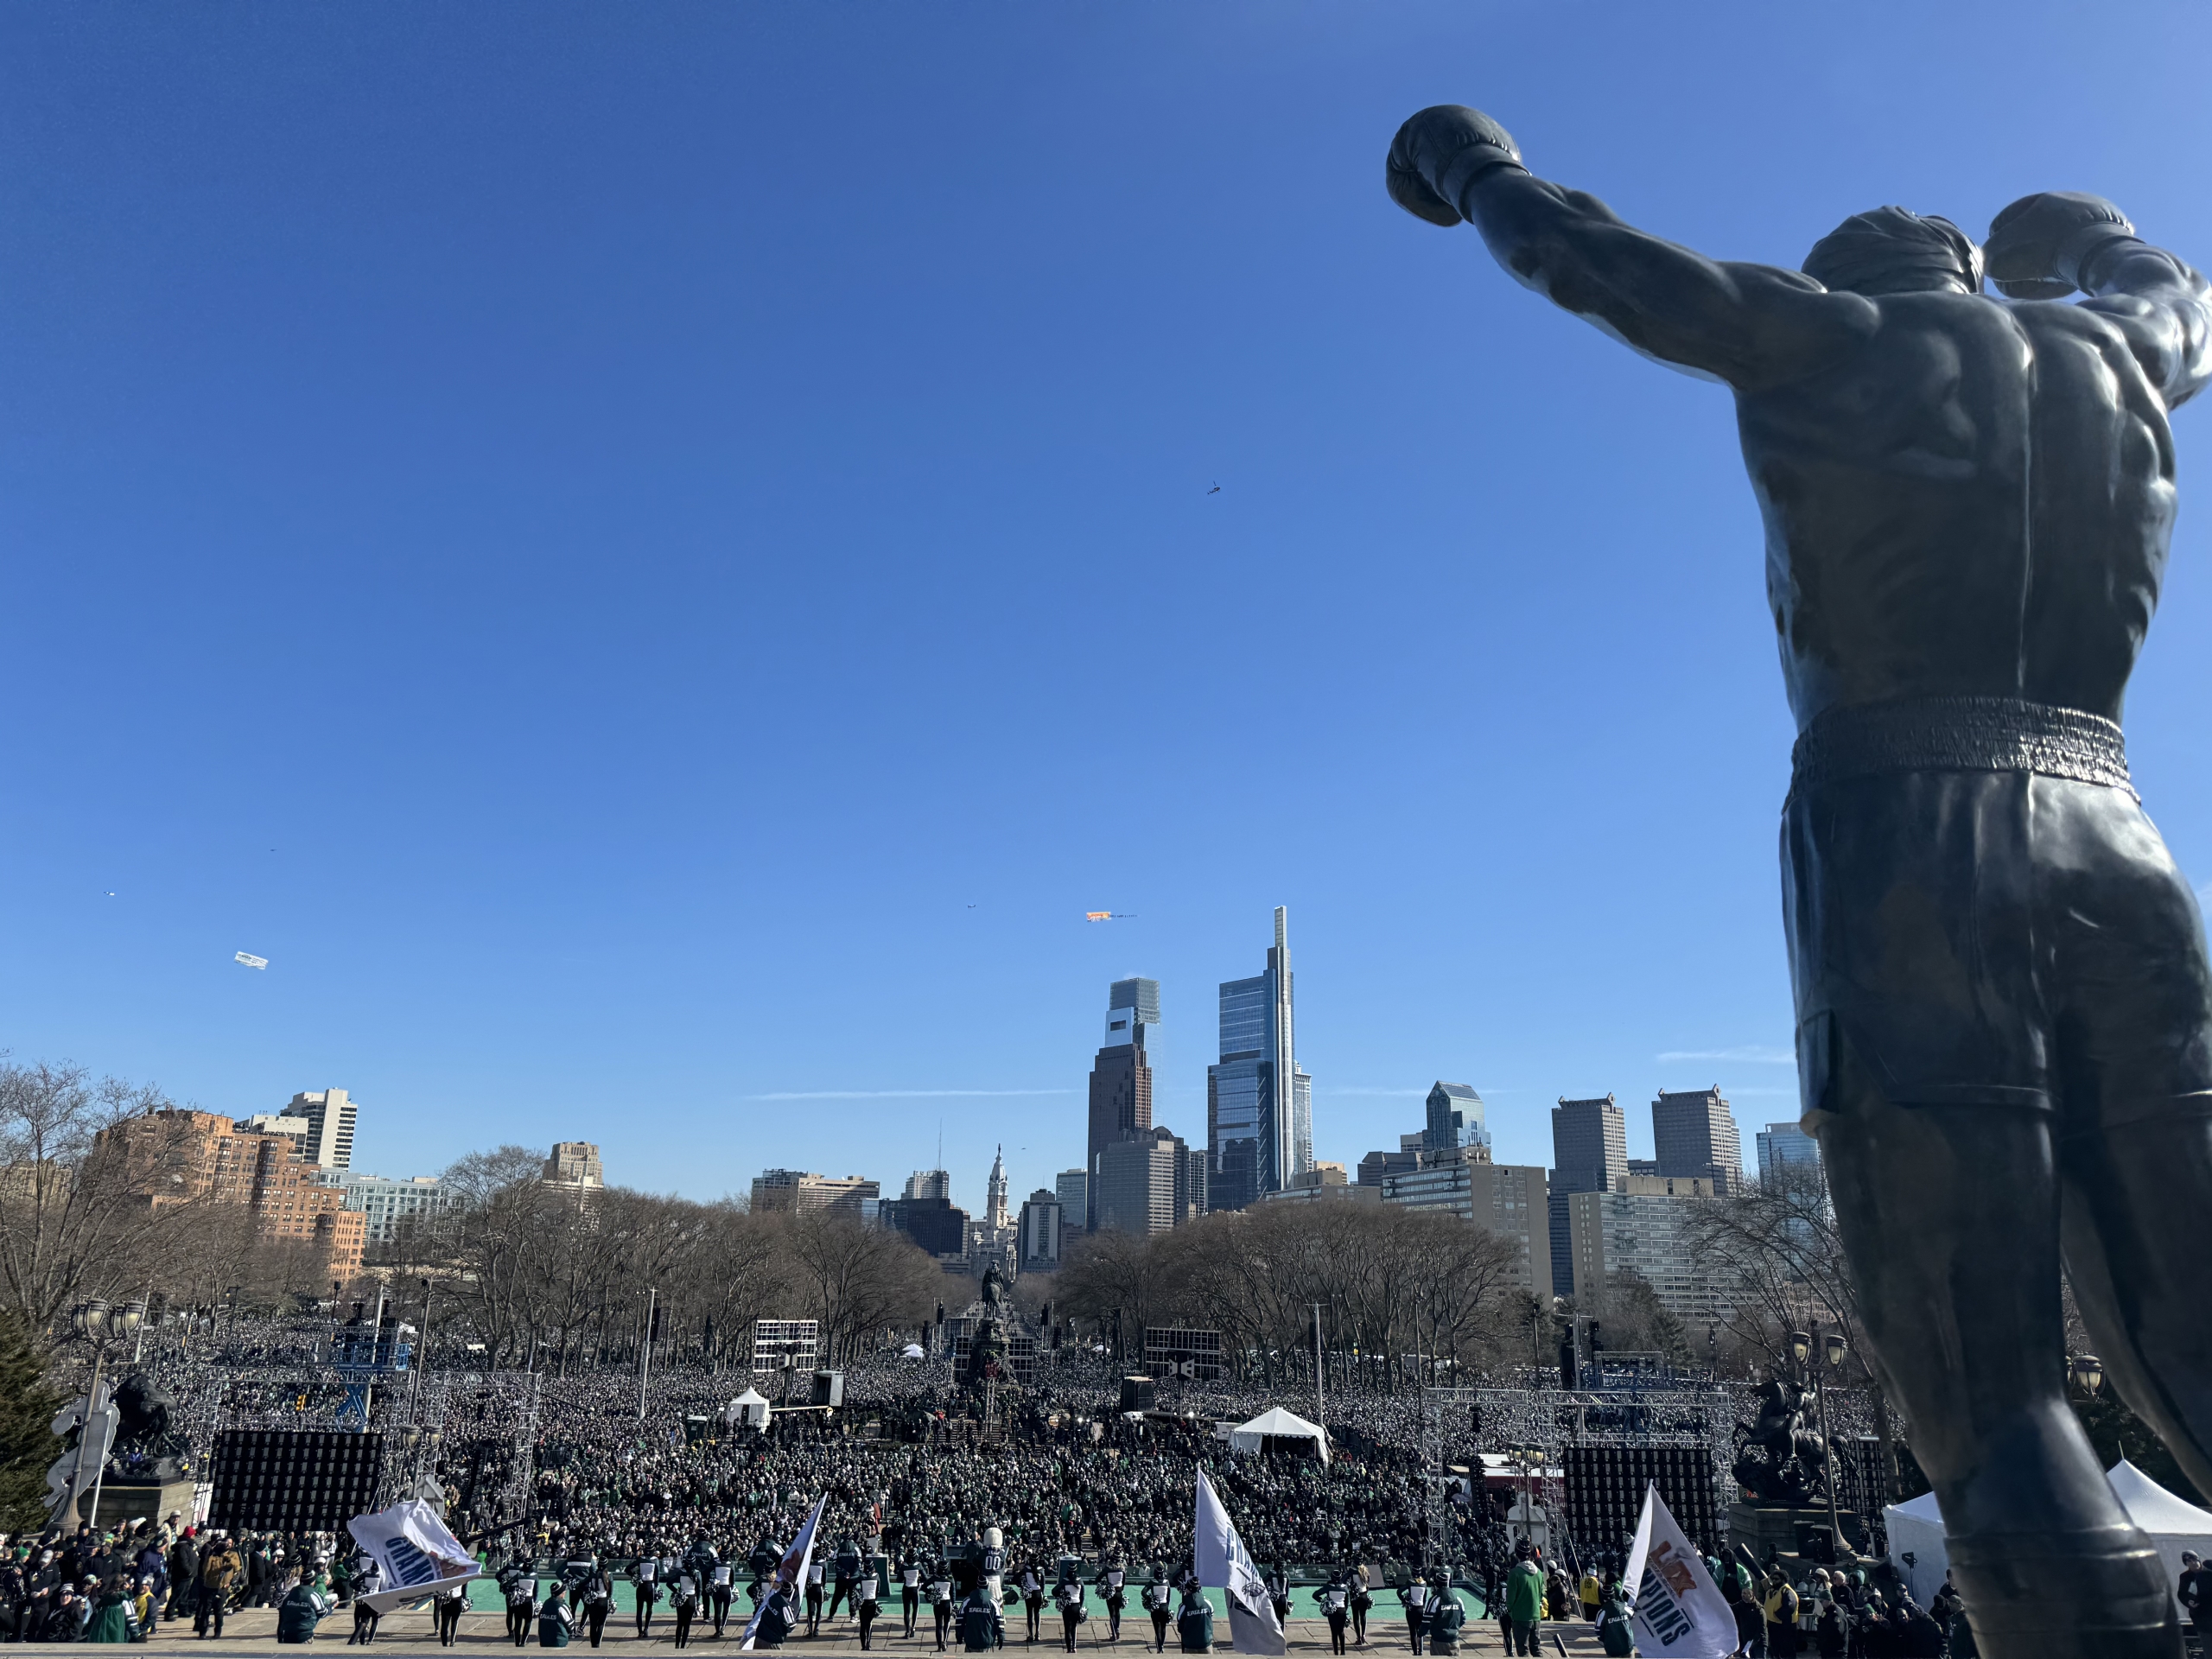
<point x="2004" y="1011"/>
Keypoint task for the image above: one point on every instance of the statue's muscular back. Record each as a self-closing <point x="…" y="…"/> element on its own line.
<point x="1975" y="499"/>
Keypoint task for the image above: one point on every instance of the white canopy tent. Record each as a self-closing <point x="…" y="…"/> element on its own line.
<point x="1278" y="1425"/>
<point x="750" y="1408"/>
<point x="2173" y="1526"/>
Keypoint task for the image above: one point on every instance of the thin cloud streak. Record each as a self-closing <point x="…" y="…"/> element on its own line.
<point x="1749" y="1054"/>
<point x="906" y="1094"/>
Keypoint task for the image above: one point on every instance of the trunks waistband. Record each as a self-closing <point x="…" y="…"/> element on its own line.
<point x="1960" y="734"/>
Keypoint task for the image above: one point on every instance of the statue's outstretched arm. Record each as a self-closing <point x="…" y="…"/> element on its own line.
<point x="2046" y="246"/>
<point x="1752" y="326"/>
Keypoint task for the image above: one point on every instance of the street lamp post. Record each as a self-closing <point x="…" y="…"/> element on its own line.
<point x="414" y="1382"/>
<point x="98" y="1326"/>
<point x="1832" y="1349"/>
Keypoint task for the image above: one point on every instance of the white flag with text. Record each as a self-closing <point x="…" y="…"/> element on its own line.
<point x="1678" y="1608"/>
<point x="1223" y="1562"/>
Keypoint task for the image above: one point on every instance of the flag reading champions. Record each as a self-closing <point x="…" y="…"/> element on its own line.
<point x="1223" y="1562"/>
<point x="1678" y="1610"/>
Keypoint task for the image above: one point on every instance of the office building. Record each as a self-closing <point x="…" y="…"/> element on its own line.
<point x="1120" y="1077"/>
<point x="1644" y="1226"/>
<point x="276" y="1124"/>
<point x="329" y="1116"/>
<point x="930" y="1184"/>
<point x="799" y="1193"/>
<point x="1507" y="1199"/>
<point x="176" y="1155"/>
<point x="1455" y="1120"/>
<point x="575" y="1163"/>
<point x="1041" y="1230"/>
<point x="1259" y="1104"/>
<point x="1149" y="1184"/>
<point x="1695" y="1134"/>
<point x="1072" y="1188"/>
<point x="388" y="1207"/>
<point x="1589" y="1154"/>
<point x="1785" y="1146"/>
<point x="938" y="1225"/>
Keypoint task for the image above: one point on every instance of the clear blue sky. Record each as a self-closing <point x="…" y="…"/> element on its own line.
<point x="653" y="558"/>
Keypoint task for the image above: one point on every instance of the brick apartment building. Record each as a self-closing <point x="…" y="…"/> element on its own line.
<point x="174" y="1156"/>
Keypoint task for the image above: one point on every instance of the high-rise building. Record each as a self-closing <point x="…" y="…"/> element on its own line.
<point x="1695" y="1134"/>
<point x="1783" y="1145"/>
<point x="329" y="1117"/>
<point x="939" y="1226"/>
<point x="1455" y="1119"/>
<point x="1072" y="1188"/>
<point x="1259" y="1104"/>
<point x="930" y="1184"/>
<point x="1134" y="1191"/>
<point x="1644" y="1226"/>
<point x="1507" y="1199"/>
<point x="1041" y="1232"/>
<point x="802" y="1193"/>
<point x="1120" y="1077"/>
<point x="1589" y="1154"/>
<point x="575" y="1163"/>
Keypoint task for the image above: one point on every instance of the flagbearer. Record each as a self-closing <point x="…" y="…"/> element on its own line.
<point x="1195" y="1621"/>
<point x="1446" y="1616"/>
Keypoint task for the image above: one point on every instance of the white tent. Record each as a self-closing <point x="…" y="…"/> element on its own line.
<point x="2173" y="1526"/>
<point x="1278" y="1425"/>
<point x="750" y="1408"/>
<point x="912" y="1350"/>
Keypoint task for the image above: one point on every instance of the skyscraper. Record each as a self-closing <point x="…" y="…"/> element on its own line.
<point x="329" y="1114"/>
<point x="1120" y="1077"/>
<point x="1694" y="1133"/>
<point x="1784" y="1145"/>
<point x="1072" y="1188"/>
<point x="1259" y="1104"/>
<point x="1455" y="1119"/>
<point x="930" y="1184"/>
<point x="1589" y="1154"/>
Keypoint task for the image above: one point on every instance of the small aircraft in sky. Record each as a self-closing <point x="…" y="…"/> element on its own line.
<point x="250" y="960"/>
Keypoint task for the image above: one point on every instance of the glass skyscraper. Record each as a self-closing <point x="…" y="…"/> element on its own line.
<point x="1259" y="1104"/>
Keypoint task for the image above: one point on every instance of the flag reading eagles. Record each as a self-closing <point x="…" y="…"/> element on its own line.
<point x="790" y="1573"/>
<point x="1223" y="1562"/>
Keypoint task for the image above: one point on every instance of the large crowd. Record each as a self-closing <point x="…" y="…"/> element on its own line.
<point x="609" y="1479"/>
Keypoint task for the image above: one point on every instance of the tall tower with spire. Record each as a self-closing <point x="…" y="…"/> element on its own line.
<point x="995" y="1202"/>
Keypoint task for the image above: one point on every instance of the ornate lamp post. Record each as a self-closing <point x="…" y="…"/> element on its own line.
<point x="101" y="1326"/>
<point x="1832" y="1349"/>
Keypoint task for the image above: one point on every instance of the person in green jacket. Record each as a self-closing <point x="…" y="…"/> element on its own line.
<point x="1524" y="1604"/>
<point x="110" y="1617"/>
<point x="306" y="1606"/>
<point x="1446" y="1616"/>
<point x="1616" y="1633"/>
<point x="554" y="1618"/>
<point x="1194" y="1623"/>
<point x="982" y="1626"/>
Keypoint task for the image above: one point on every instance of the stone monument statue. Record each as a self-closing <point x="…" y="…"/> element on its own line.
<point x="2004" y="1005"/>
<point x="1778" y="1458"/>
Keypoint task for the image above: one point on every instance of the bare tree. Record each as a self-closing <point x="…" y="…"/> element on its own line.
<point x="76" y="1218"/>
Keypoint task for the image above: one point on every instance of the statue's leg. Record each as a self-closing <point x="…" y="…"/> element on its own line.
<point x="2135" y="1055"/>
<point x="1950" y="1217"/>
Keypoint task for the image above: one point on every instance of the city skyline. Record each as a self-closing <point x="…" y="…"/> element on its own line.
<point x="611" y="719"/>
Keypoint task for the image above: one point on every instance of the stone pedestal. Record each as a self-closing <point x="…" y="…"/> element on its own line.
<point x="126" y="1503"/>
<point x="1796" y="1533"/>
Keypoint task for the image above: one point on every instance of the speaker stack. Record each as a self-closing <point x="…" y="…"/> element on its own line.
<point x="293" y="1480"/>
<point x="1606" y="1486"/>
